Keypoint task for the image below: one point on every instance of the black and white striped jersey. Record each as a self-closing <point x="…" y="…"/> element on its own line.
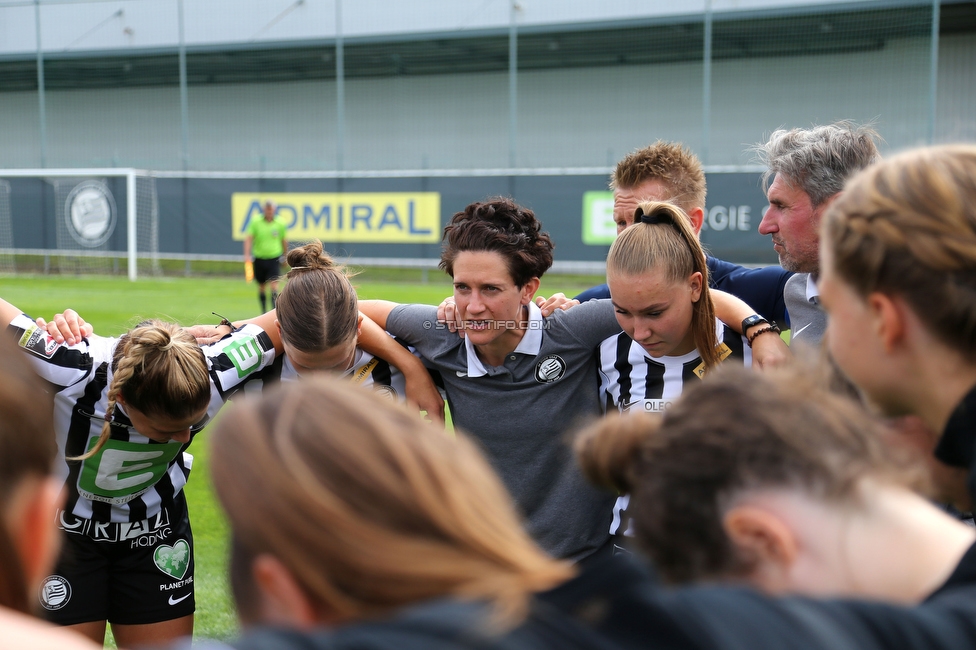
<point x="632" y="380"/>
<point x="132" y="477"/>
<point x="366" y="370"/>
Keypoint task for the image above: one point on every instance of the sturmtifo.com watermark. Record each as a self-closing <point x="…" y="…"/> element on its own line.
<point x="490" y="324"/>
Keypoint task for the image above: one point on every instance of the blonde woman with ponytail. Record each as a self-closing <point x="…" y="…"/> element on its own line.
<point x="658" y="281"/>
<point x="125" y="409"/>
<point x="898" y="280"/>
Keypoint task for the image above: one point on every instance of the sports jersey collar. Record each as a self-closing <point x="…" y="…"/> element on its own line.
<point x="530" y="344"/>
<point x="357" y="360"/>
<point x="813" y="293"/>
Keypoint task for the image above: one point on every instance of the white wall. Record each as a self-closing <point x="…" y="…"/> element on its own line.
<point x="956" y="98"/>
<point x="567" y="118"/>
<point x="95" y="25"/>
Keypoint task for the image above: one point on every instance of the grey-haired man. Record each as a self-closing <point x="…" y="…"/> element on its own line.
<point x="808" y="169"/>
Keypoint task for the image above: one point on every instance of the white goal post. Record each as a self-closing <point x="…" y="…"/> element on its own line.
<point x="84" y="215"/>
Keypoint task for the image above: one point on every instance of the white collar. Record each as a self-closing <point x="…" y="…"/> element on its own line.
<point x="530" y="344"/>
<point x="813" y="293"/>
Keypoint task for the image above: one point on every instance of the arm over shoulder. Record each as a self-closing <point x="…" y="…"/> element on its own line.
<point x="761" y="288"/>
<point x="590" y="323"/>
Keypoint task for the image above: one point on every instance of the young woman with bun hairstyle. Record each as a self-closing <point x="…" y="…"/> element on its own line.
<point x="318" y="318"/>
<point x="125" y="410"/>
<point x="898" y="279"/>
<point x="658" y="281"/>
<point x="772" y="481"/>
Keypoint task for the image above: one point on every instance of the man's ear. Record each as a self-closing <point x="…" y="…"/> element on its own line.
<point x="697" y="217"/>
<point x="282" y="600"/>
<point x="764" y="539"/>
<point x="888" y="319"/>
<point x="529" y="289"/>
<point x="819" y="211"/>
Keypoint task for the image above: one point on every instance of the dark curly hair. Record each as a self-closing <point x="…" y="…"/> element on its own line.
<point x="501" y="225"/>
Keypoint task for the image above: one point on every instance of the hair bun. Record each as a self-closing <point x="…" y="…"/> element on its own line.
<point x="309" y="256"/>
<point x="609" y="450"/>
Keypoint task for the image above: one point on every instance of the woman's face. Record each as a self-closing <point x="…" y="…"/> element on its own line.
<point x="852" y="336"/>
<point x="163" y="428"/>
<point x="335" y="359"/>
<point x="488" y="300"/>
<point x="656" y="311"/>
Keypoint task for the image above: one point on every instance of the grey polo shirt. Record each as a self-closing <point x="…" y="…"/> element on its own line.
<point x="808" y="320"/>
<point x="524" y="411"/>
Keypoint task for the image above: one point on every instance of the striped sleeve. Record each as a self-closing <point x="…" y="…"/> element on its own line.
<point x="60" y="364"/>
<point x="235" y="358"/>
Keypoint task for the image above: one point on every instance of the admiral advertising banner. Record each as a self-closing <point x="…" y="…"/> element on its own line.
<point x="381" y="217"/>
<point x="366" y="217"/>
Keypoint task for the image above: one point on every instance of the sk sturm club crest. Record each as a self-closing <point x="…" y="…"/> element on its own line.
<point x="549" y="369"/>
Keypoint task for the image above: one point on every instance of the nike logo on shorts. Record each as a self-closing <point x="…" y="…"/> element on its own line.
<point x="175" y="601"/>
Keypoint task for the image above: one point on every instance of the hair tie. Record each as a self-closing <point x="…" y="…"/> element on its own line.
<point x="659" y="216"/>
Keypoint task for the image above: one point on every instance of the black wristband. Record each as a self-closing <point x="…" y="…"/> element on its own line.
<point x="752" y="321"/>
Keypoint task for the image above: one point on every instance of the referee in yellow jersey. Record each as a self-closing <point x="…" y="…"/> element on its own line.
<point x="266" y="241"/>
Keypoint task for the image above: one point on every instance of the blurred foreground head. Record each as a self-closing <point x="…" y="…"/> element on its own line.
<point x="345" y="507"/>
<point x="770" y="479"/>
<point x="899" y="267"/>
<point x="28" y="494"/>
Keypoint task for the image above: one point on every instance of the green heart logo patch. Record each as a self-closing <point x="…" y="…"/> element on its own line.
<point x="173" y="560"/>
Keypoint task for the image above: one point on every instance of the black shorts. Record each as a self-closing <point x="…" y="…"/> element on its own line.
<point x="266" y="270"/>
<point x="130" y="573"/>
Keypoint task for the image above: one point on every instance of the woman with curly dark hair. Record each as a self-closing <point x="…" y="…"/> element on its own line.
<point x="516" y="381"/>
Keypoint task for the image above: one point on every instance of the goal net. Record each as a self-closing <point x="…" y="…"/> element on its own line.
<point x="8" y="263"/>
<point x="79" y="221"/>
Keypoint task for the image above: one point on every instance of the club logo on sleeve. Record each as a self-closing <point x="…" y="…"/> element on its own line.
<point x="173" y="560"/>
<point x="549" y="369"/>
<point x="37" y="341"/>
<point x="245" y="354"/>
<point x="55" y="592"/>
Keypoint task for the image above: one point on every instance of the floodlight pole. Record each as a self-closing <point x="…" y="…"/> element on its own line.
<point x="513" y="84"/>
<point x="40" y="83"/>
<point x="340" y="90"/>
<point x="707" y="85"/>
<point x="130" y="219"/>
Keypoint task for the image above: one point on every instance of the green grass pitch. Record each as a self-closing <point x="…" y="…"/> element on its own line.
<point x="114" y="304"/>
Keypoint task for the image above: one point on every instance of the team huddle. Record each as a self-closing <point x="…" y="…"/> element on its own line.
<point x="654" y="431"/>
